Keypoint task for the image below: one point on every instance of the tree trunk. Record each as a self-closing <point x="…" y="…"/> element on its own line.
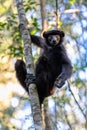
<point x="43" y="15"/>
<point x="57" y="15"/>
<point x="29" y="66"/>
<point x="49" y="125"/>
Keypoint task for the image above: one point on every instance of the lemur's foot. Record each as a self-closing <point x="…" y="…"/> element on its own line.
<point x="30" y="78"/>
<point x="59" y="85"/>
<point x="19" y="26"/>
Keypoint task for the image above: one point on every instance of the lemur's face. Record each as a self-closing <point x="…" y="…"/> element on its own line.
<point x="54" y="39"/>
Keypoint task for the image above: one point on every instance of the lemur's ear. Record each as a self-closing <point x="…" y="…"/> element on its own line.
<point x="45" y="34"/>
<point x="62" y="34"/>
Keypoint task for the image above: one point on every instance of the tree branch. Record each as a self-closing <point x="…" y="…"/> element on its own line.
<point x="49" y="124"/>
<point x="76" y="101"/>
<point x="43" y="15"/>
<point x="29" y="65"/>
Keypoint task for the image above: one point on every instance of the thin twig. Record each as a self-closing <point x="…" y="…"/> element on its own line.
<point x="76" y="100"/>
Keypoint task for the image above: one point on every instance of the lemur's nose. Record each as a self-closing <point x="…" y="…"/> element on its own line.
<point x="54" y="40"/>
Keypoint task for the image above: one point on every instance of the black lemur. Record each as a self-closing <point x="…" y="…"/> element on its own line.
<point x="52" y="65"/>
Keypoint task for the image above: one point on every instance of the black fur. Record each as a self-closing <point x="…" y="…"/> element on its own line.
<point x="49" y="66"/>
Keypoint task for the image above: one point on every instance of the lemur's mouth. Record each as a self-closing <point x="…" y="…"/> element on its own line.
<point x="56" y="42"/>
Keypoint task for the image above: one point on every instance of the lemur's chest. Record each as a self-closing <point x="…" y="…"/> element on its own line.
<point x="55" y="62"/>
<point x="53" y="55"/>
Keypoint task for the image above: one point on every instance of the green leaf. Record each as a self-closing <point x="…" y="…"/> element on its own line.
<point x="72" y="2"/>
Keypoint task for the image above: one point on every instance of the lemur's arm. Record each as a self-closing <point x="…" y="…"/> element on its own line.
<point x="38" y="41"/>
<point x="66" y="69"/>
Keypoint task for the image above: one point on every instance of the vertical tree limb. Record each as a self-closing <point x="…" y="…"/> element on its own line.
<point x="43" y="15"/>
<point x="57" y="15"/>
<point x="29" y="65"/>
<point x="49" y="125"/>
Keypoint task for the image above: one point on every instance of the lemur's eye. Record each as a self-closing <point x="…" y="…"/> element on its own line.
<point x="49" y="38"/>
<point x="57" y="37"/>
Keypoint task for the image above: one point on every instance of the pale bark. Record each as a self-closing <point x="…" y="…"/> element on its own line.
<point x="57" y="13"/>
<point x="29" y="66"/>
<point x="43" y="15"/>
<point x="49" y="125"/>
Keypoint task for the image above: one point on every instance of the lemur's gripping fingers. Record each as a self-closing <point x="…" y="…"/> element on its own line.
<point x="30" y="78"/>
<point x="19" y="26"/>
